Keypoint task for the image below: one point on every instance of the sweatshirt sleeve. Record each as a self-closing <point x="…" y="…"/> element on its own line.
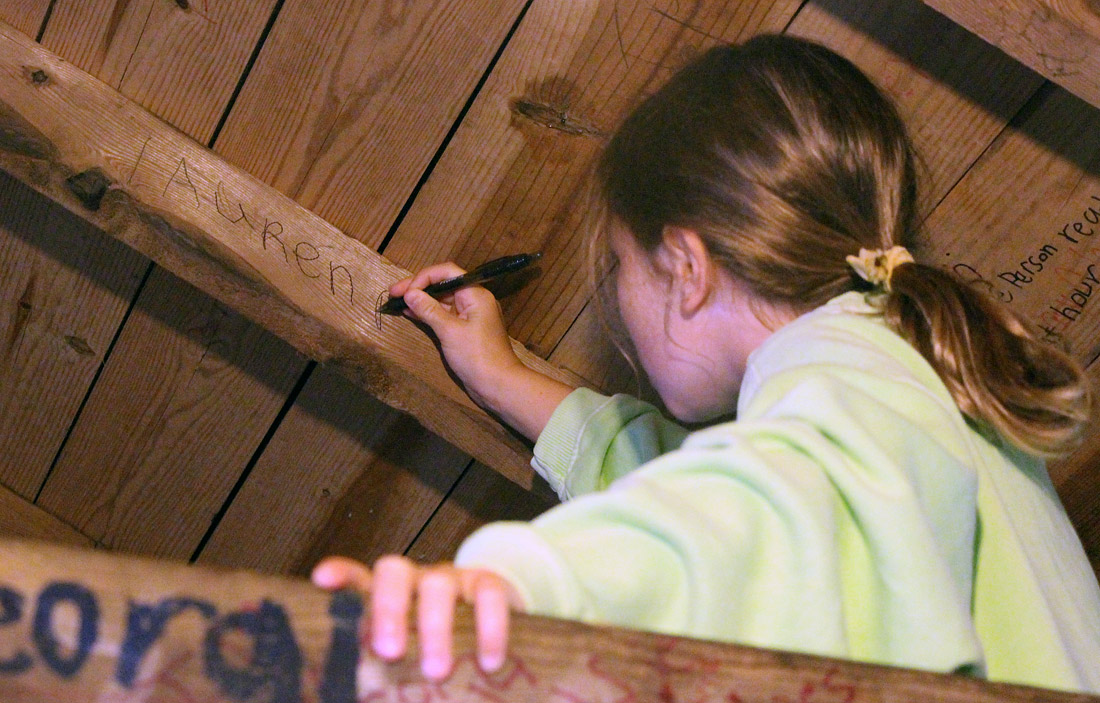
<point x="831" y="519"/>
<point x="591" y="440"/>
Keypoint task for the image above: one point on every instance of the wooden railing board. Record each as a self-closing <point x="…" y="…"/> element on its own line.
<point x="1059" y="39"/>
<point x="24" y="15"/>
<point x="221" y="635"/>
<point x="343" y="110"/>
<point x="343" y="474"/>
<point x="75" y="122"/>
<point x="56" y="324"/>
<point x="512" y="178"/>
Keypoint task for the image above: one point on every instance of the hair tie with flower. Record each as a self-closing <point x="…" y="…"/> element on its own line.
<point x="876" y="266"/>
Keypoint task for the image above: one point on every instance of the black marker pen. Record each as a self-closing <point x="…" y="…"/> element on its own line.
<point x="486" y="272"/>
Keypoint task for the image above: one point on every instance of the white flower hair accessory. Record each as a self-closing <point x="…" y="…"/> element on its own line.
<point x="876" y="266"/>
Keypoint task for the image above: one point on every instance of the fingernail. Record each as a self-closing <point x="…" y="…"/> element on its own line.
<point x="322" y="576"/>
<point x="386" y="645"/>
<point x="434" y="667"/>
<point x="491" y="661"/>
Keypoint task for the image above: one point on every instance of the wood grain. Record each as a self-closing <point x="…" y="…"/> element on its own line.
<point x="24" y="15"/>
<point x="954" y="91"/>
<point x="348" y="101"/>
<point x="56" y="324"/>
<point x="343" y="474"/>
<point x="480" y="496"/>
<point x="23" y="519"/>
<point x="383" y="85"/>
<point x="300" y="282"/>
<point x="183" y="63"/>
<point x="148" y="476"/>
<point x="1017" y="237"/>
<point x="179" y="60"/>
<point x="1058" y="38"/>
<point x="227" y="633"/>
<point x="512" y="178"/>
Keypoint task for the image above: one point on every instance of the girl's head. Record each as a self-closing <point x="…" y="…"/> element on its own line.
<point x="781" y="159"/>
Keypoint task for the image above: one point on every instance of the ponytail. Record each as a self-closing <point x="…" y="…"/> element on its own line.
<point x="999" y="374"/>
<point x="788" y="161"/>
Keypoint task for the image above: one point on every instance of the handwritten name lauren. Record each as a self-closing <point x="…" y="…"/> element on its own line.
<point x="307" y="258"/>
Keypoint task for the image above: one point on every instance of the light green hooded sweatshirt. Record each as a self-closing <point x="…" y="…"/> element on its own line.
<point x="850" y="511"/>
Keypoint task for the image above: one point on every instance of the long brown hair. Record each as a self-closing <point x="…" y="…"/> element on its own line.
<point x="786" y="159"/>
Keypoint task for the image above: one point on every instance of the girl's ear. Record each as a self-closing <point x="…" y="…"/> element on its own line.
<point x="694" y="274"/>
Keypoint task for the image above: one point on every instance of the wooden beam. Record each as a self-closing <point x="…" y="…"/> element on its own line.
<point x="153" y="454"/>
<point x="1059" y="39"/>
<point x="83" y="626"/>
<point x="21" y="518"/>
<point x="82" y="144"/>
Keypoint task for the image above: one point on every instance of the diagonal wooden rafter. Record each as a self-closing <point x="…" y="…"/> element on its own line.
<point x="82" y="144"/>
<point x="1059" y="39"/>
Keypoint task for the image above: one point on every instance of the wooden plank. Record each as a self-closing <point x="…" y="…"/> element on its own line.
<point x="348" y="101"/>
<point x="148" y="476"/>
<point x="51" y="343"/>
<point x="1058" y="38"/>
<point x="278" y="263"/>
<point x="182" y="63"/>
<point x="1030" y="239"/>
<point x="21" y="518"/>
<point x="225" y="636"/>
<point x="179" y="60"/>
<point x="24" y="15"/>
<point x="955" y="92"/>
<point x="343" y="474"/>
<point x="512" y="178"/>
<point x="480" y="496"/>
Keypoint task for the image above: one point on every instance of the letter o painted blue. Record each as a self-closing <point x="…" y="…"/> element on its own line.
<point x="42" y="631"/>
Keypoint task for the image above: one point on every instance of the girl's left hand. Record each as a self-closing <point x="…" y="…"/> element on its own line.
<point x="393" y="585"/>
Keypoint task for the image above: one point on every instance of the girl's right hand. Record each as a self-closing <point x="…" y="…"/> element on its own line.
<point x="471" y="334"/>
<point x="470" y="329"/>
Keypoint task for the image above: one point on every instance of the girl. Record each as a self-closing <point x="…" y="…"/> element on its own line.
<point x="880" y="495"/>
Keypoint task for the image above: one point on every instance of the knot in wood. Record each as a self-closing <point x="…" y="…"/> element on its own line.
<point x="89" y="187"/>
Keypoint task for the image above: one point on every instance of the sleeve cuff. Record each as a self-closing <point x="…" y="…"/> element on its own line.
<point x="514" y="551"/>
<point x="558" y="445"/>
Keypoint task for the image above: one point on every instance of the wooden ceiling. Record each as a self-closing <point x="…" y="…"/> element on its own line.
<point x="146" y="416"/>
